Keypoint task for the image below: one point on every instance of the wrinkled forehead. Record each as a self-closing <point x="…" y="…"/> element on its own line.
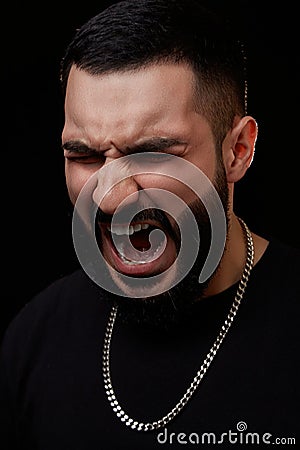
<point x="148" y="97"/>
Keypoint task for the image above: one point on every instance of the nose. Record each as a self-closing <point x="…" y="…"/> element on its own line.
<point x="115" y="186"/>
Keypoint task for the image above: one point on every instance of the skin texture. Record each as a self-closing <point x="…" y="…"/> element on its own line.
<point x="113" y="113"/>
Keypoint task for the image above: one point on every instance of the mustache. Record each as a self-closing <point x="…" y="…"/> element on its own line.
<point x="128" y="214"/>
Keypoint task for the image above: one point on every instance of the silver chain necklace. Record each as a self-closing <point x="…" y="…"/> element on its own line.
<point x="162" y="422"/>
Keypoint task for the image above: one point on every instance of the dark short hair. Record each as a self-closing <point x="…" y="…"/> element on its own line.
<point x="133" y="34"/>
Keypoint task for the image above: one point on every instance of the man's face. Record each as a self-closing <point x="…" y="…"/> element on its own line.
<point x="111" y="116"/>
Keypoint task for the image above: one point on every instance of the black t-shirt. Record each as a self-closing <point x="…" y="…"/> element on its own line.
<point x="52" y="392"/>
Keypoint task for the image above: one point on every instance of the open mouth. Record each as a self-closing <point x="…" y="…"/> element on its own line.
<point x="142" y="249"/>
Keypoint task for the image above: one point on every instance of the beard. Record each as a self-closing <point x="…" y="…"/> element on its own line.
<point x="172" y="307"/>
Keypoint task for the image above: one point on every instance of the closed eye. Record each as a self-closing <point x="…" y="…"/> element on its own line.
<point x="80" y="153"/>
<point x="156" y="157"/>
<point x="93" y="158"/>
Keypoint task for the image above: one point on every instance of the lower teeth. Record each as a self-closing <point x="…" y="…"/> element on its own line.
<point x="136" y="263"/>
<point x="131" y="263"/>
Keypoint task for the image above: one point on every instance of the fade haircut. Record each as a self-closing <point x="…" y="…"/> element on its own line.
<point x="134" y="34"/>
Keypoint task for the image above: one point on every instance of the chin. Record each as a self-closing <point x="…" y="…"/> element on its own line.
<point x="166" y="310"/>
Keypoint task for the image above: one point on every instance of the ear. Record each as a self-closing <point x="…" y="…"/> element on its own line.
<point x="239" y="148"/>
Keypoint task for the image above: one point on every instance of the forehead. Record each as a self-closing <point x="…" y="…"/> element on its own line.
<point x="160" y="96"/>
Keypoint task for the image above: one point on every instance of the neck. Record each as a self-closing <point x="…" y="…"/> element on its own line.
<point x="233" y="260"/>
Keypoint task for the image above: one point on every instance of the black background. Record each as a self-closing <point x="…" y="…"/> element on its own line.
<point x="36" y="214"/>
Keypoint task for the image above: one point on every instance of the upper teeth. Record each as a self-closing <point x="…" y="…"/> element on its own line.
<point x="123" y="229"/>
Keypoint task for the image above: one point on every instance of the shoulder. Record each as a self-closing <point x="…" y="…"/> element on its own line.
<point x="63" y="320"/>
<point x="274" y="287"/>
<point x="66" y="300"/>
<point x="281" y="259"/>
<point x="274" y="281"/>
<point x="56" y="296"/>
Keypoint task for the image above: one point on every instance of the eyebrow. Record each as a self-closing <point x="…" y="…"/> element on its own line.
<point x="155" y="144"/>
<point x="77" y="147"/>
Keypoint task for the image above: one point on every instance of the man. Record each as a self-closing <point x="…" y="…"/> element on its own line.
<point x="180" y="327"/>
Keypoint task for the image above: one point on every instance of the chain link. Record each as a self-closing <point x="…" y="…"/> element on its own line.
<point x="140" y="426"/>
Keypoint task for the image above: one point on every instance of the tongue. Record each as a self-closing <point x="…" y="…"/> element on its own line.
<point x="142" y="246"/>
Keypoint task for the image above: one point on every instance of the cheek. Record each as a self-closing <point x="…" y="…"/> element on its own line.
<point x="75" y="180"/>
<point x="175" y="186"/>
<point x="207" y="163"/>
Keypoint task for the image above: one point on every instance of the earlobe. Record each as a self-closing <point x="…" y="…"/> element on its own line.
<point x="240" y="148"/>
